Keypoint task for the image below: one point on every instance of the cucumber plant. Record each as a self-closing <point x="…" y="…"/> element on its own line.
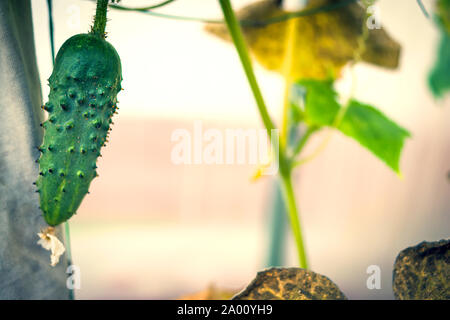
<point x="312" y="104"/>
<point x="84" y="85"/>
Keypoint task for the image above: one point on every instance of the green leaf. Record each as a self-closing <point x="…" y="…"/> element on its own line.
<point x="443" y="15"/>
<point x="372" y="129"/>
<point x="320" y="104"/>
<point x="316" y="101"/>
<point x="439" y="79"/>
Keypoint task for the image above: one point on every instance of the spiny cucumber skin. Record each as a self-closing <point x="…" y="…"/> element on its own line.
<point x="83" y="96"/>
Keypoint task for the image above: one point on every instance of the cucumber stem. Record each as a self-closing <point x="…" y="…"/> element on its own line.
<point x="239" y="42"/>
<point x="100" y="19"/>
<point x="293" y="213"/>
<point x="284" y="163"/>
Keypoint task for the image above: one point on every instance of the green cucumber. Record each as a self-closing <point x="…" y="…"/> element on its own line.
<point x="83" y="98"/>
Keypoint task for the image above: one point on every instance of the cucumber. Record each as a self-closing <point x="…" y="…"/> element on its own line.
<point x="83" y="99"/>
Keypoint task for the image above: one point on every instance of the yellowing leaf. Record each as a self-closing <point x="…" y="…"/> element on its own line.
<point x="324" y="43"/>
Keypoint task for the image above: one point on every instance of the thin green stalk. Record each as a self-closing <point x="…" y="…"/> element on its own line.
<point x="247" y="23"/>
<point x="289" y="197"/>
<point x="142" y="9"/>
<point x="67" y="240"/>
<point x="239" y="42"/>
<point x="68" y="254"/>
<point x="100" y="18"/>
<point x="50" y="27"/>
<point x="285" y="172"/>
<point x="288" y="58"/>
<point x="278" y="224"/>
<point x="422" y="7"/>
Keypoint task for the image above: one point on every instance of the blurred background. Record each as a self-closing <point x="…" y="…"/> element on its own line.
<point x="152" y="229"/>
